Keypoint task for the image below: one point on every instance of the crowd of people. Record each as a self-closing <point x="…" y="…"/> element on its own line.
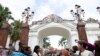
<point x="82" y="49"/>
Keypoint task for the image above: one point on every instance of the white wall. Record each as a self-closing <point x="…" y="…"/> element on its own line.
<point x="73" y="38"/>
<point x="92" y="38"/>
<point x="33" y="41"/>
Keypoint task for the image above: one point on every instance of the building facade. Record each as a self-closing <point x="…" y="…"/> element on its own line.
<point x="55" y="25"/>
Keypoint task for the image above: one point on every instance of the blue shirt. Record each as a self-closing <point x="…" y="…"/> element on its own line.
<point x="14" y="53"/>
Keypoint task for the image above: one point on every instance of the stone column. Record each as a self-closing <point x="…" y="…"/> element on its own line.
<point x="81" y="31"/>
<point x="4" y="34"/>
<point x="24" y="34"/>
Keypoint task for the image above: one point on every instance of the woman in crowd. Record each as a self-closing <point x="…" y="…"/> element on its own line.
<point x="37" y="51"/>
<point x="82" y="49"/>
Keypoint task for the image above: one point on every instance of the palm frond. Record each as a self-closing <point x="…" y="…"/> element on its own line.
<point x="5" y="15"/>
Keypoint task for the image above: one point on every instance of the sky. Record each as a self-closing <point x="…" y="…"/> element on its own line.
<point x="42" y="8"/>
<point x="54" y="40"/>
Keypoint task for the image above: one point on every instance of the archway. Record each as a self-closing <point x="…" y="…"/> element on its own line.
<point x="54" y="31"/>
<point x="56" y="42"/>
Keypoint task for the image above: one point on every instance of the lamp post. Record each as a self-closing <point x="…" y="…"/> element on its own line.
<point x="80" y="24"/>
<point x="27" y="15"/>
<point x="79" y="12"/>
<point x="25" y="27"/>
<point x="98" y="10"/>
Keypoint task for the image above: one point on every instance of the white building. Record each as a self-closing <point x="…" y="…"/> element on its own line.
<point x="55" y="25"/>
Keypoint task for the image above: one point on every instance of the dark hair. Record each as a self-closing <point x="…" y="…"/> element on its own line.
<point x="36" y="49"/>
<point x="97" y="44"/>
<point x="67" y="49"/>
<point x="27" y="48"/>
<point x="97" y="48"/>
<point x="83" y="44"/>
<point x="75" y="48"/>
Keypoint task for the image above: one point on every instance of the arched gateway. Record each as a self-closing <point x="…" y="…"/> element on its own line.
<point x="55" y="25"/>
<point x="54" y="30"/>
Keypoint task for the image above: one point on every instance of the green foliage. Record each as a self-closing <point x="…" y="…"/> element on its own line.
<point x="46" y="42"/>
<point x="62" y="41"/>
<point x="15" y="30"/>
<point x="5" y="15"/>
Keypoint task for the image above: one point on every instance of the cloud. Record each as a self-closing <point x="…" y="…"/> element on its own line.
<point x="59" y="7"/>
<point x="18" y="6"/>
<point x="42" y="12"/>
<point x="64" y="7"/>
<point x="65" y="14"/>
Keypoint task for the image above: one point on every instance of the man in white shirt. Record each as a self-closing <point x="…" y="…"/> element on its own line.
<point x="87" y="53"/>
<point x="82" y="48"/>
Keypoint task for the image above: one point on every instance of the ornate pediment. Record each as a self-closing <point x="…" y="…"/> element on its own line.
<point x="53" y="18"/>
<point x="91" y="20"/>
<point x="49" y="19"/>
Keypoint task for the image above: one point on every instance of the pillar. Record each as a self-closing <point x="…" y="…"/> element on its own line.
<point x="24" y="34"/>
<point x="4" y="34"/>
<point x="81" y="30"/>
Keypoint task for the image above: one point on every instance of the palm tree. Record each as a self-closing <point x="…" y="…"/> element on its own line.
<point x="62" y="42"/>
<point x="15" y="31"/>
<point x="5" y="15"/>
<point x="46" y="42"/>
